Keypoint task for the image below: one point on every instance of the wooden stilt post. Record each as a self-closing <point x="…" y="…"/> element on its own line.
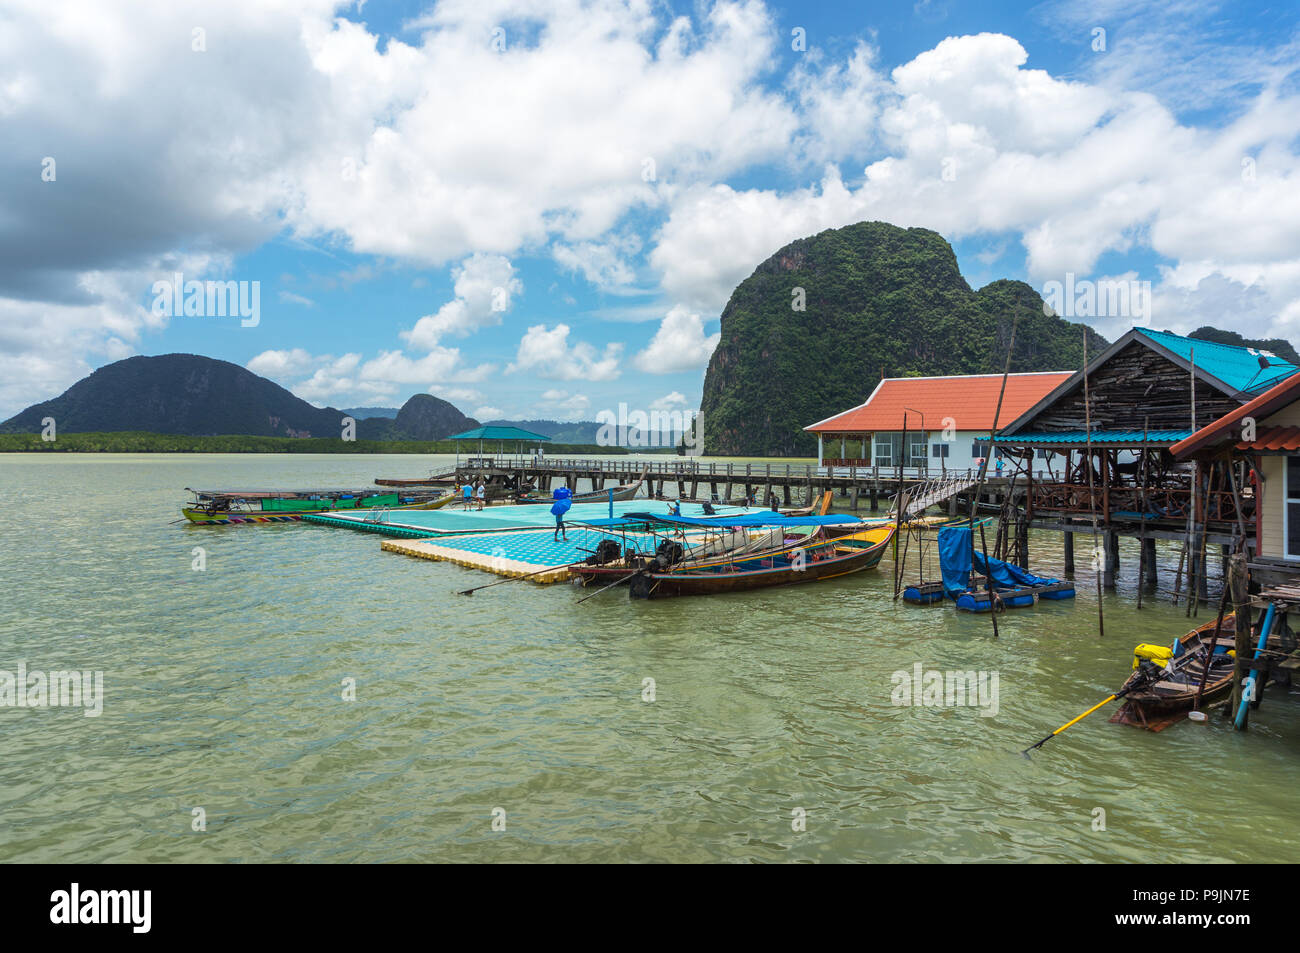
<point x="1145" y="509"/>
<point x="1092" y="500"/>
<point x="1241" y="608"/>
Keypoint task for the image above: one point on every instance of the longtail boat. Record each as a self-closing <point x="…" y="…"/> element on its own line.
<point x="611" y="562"/>
<point x="790" y="565"/>
<point x="624" y="491"/>
<point x="215" y="508"/>
<point x="1170" y="689"/>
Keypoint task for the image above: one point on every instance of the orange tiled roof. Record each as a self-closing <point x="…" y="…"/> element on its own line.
<point x="970" y="400"/>
<point x="1223" y="429"/>
<point x="1274" y="438"/>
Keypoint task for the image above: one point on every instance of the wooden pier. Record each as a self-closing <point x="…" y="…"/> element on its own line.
<point x="788" y="484"/>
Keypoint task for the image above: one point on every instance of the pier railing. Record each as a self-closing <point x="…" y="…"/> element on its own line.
<point x="716" y="470"/>
<point x="1118" y="501"/>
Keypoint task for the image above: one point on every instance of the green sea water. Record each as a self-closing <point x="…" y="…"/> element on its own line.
<point x="771" y="735"/>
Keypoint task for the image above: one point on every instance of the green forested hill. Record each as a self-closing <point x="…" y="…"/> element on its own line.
<point x="878" y="300"/>
<point x="423" y="417"/>
<point x="194" y="395"/>
<point x="178" y="394"/>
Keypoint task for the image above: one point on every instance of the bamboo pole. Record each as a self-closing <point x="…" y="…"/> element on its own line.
<point x="1202" y="570"/>
<point x="984" y="467"/>
<point x="1241" y="609"/>
<point x="1092" y="499"/>
<point x="1209" y="654"/>
<point x="1189" y="542"/>
<point x="1142" y="532"/>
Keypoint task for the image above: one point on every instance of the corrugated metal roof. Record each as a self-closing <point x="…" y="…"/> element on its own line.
<point x="969" y="399"/>
<point x="1127" y="438"/>
<point x="1238" y="367"/>
<point x="1274" y="438"/>
<point x="1228" y="426"/>
<point x="497" y="433"/>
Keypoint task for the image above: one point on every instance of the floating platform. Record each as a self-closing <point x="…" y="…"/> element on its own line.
<point x="511" y="554"/>
<point x="519" y="553"/>
<point x="424" y="524"/>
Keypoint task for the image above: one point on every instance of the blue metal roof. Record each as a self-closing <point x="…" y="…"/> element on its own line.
<point x="1238" y="367"/>
<point x="1127" y="438"/>
<point x="497" y="433"/>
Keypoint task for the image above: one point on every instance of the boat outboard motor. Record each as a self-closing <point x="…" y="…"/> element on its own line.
<point x="607" y="551"/>
<point x="1150" y="672"/>
<point x="670" y="553"/>
<point x="709" y="510"/>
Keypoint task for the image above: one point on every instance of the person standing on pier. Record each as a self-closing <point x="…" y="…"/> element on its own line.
<point x="467" y="494"/>
<point x="481" y="493"/>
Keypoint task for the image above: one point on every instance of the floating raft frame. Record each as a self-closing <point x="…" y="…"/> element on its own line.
<point x="369" y="526"/>
<point x="487" y="562"/>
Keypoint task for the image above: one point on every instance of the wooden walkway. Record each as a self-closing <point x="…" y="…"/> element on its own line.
<point x="677" y="477"/>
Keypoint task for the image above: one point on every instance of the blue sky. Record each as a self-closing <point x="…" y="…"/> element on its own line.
<point x="455" y="197"/>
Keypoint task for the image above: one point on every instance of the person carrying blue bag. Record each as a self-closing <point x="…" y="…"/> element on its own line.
<point x="563" y="500"/>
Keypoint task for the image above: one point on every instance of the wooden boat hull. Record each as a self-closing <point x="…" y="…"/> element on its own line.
<point x="829" y="560"/>
<point x="708" y="553"/>
<point x="202" y="516"/>
<point x="627" y="491"/>
<point x="1153" y="706"/>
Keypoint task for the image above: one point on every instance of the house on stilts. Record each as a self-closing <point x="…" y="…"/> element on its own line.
<point x="1110" y="458"/>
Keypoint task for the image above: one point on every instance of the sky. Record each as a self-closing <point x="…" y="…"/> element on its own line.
<point x="539" y="209"/>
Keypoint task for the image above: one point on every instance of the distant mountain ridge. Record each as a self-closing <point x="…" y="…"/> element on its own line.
<point x="179" y="394"/>
<point x="589" y="431"/>
<point x="192" y="395"/>
<point x="423" y="417"/>
<point x="361" y="413"/>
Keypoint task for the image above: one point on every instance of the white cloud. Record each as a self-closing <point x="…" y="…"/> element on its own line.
<point x="485" y="288"/>
<point x="598" y="118"/>
<point x="603" y="264"/>
<point x="491" y="151"/>
<point x="1074" y="170"/>
<point x="280" y="366"/>
<point x="549" y="355"/>
<point x="679" y="345"/>
<point x="322" y="378"/>
<point x="455" y="394"/>
<point x="671" y="401"/>
<point x="290" y="298"/>
<point x="563" y="405"/>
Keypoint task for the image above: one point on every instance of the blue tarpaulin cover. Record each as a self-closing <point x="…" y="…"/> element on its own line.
<point x="760" y="518"/>
<point x="954" y="559"/>
<point x="1009" y="575"/>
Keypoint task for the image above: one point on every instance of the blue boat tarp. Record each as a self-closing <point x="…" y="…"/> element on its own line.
<point x="955" y="559"/>
<point x="1009" y="575"/>
<point x="759" y="518"/>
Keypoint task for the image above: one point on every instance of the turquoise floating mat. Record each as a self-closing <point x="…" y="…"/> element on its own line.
<point x="497" y="519"/>
<point x="538" y="547"/>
